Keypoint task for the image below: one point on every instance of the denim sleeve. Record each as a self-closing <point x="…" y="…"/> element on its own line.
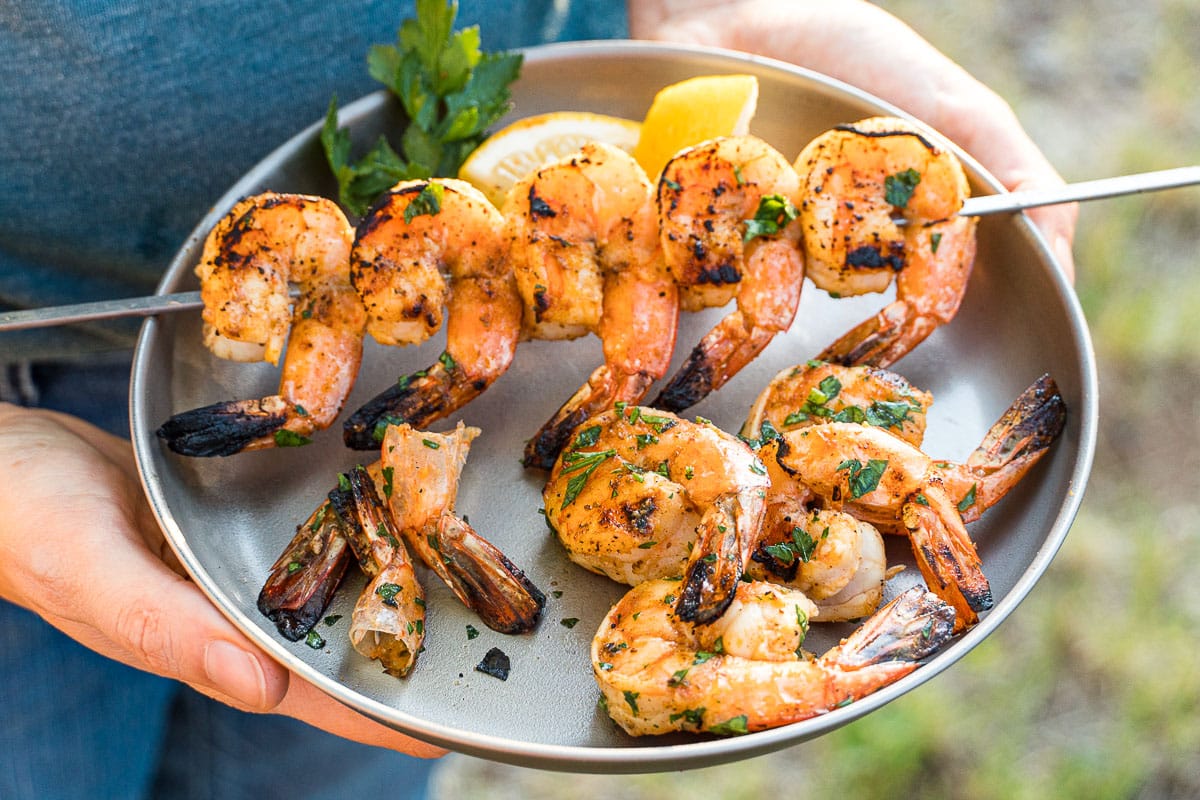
<point x="121" y="122"/>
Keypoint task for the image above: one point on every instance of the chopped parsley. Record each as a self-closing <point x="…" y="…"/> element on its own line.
<point x="428" y="202"/>
<point x="286" y="438"/>
<point x="801" y="546"/>
<point x="730" y="727"/>
<point x="388" y="473"/>
<point x="692" y="716"/>
<point x="774" y="213"/>
<point x="863" y="478"/>
<point x="586" y="437"/>
<point x="314" y="640"/>
<point x="968" y="499"/>
<point x="585" y="464"/>
<point x="569" y="622"/>
<point x="388" y="592"/>
<point x="898" y="189"/>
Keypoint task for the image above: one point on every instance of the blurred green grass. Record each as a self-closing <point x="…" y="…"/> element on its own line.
<point x="1092" y="688"/>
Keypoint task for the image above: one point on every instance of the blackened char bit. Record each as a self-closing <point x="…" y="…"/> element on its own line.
<point x="495" y="663"/>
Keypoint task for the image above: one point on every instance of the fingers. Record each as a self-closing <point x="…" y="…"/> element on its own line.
<point x="306" y="702"/>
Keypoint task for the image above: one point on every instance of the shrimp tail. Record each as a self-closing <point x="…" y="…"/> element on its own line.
<point x="720" y="355"/>
<point x="712" y="574"/>
<point x="878" y="341"/>
<point x="485" y="580"/>
<point x="1017" y="441"/>
<point x="222" y="429"/>
<point x="418" y="399"/>
<point x="305" y="576"/>
<point x="945" y="553"/>
<point x="603" y="389"/>
<point x="912" y="626"/>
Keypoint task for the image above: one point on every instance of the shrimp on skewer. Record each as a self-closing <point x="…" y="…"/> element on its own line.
<point x="636" y="487"/>
<point x="415" y="232"/>
<point x="858" y="179"/>
<point x="747" y="671"/>
<point x="388" y="621"/>
<point x="726" y="217"/>
<point x="585" y="251"/>
<point x="419" y="473"/>
<point x="264" y="243"/>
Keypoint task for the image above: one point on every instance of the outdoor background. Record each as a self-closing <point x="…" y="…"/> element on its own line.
<point x="1092" y="688"/>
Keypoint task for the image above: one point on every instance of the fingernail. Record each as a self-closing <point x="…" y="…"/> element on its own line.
<point x="236" y="673"/>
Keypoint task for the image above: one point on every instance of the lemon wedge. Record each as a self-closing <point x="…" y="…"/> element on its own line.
<point x="517" y="149"/>
<point x="691" y="111"/>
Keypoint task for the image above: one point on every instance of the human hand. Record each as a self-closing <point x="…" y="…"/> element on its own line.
<point x="80" y="548"/>
<point x="862" y="45"/>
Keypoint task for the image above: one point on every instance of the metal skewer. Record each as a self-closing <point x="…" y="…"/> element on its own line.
<point x="1008" y="202"/>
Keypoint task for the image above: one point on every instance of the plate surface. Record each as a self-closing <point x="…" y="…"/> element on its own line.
<point x="228" y="519"/>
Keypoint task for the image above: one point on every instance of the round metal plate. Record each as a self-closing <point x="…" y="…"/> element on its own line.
<point x="228" y="519"/>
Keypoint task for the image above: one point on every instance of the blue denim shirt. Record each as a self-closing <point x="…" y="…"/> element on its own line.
<point x="121" y="122"/>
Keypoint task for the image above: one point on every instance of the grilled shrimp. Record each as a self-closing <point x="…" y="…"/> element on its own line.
<point x="747" y="671"/>
<point x="302" y="581"/>
<point x="726" y="217"/>
<point x="418" y="230"/>
<point x="838" y="561"/>
<point x="388" y="621"/>
<point x="637" y="487"/>
<point x="882" y="479"/>
<point x="858" y="180"/>
<point x="584" y="247"/>
<point x="419" y="473"/>
<point x="818" y="391"/>
<point x="250" y="257"/>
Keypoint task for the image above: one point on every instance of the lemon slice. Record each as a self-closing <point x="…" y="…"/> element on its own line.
<point x="517" y="149"/>
<point x="691" y="111"/>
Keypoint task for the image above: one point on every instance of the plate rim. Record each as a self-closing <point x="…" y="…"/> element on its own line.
<point x="635" y="757"/>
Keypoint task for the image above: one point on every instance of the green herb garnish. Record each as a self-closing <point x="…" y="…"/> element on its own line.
<point x="388" y="592"/>
<point x="864" y="478"/>
<point x="774" y="213"/>
<point x="898" y="189"/>
<point x="730" y="727"/>
<point x="428" y="202"/>
<point x="451" y="92"/>
<point x="286" y="438"/>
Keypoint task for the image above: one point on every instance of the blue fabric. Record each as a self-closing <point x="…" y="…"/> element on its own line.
<point x="120" y="123"/>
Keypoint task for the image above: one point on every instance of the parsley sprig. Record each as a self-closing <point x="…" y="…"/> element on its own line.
<point x="450" y="90"/>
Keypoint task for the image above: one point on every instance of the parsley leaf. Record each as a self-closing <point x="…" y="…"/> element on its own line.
<point x="730" y="727"/>
<point x="450" y="90"/>
<point x="774" y="213"/>
<point x="898" y="189"/>
<point x="864" y="478"/>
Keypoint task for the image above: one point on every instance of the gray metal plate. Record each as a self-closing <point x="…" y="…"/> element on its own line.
<point x="228" y="519"/>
